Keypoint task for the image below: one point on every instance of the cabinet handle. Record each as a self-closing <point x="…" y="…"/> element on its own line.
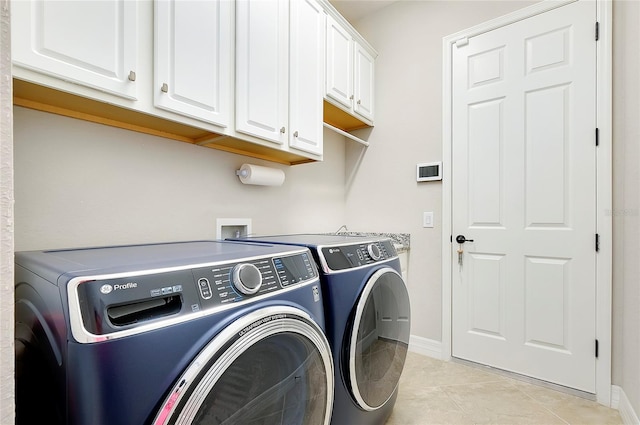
<point x="351" y="97"/>
<point x="132" y="76"/>
<point x="358" y="101"/>
<point x="164" y="88"/>
<point x="295" y="134"/>
<point x="282" y="130"/>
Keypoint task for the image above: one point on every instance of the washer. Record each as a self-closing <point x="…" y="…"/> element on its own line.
<point x="203" y="332"/>
<point x="368" y="320"/>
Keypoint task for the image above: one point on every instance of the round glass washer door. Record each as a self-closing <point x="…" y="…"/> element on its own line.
<point x="271" y="367"/>
<point x="379" y="339"/>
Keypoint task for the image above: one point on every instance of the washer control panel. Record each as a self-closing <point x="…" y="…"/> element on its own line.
<point x="112" y="304"/>
<point x="234" y="282"/>
<point x="349" y="256"/>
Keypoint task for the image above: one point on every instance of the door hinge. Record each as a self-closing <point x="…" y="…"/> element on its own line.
<point x="597" y="137"/>
<point x="596" y="348"/>
<point x="597" y="242"/>
<point x="597" y="31"/>
<point x="462" y="42"/>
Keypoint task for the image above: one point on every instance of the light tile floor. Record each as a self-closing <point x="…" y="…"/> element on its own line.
<point x="436" y="392"/>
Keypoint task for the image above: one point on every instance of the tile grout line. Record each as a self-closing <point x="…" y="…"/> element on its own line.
<point x="542" y="405"/>
<point x="460" y="408"/>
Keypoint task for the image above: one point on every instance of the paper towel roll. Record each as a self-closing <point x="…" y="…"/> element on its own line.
<point x="263" y="176"/>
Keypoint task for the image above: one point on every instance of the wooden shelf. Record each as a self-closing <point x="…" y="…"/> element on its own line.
<point x="45" y="99"/>
<point x="337" y="117"/>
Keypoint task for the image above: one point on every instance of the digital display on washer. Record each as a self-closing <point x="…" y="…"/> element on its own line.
<point x="294" y="269"/>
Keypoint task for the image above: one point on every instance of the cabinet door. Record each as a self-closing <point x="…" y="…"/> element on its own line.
<point x="192" y="72"/>
<point x="363" y="90"/>
<point x="93" y="43"/>
<point x="307" y="24"/>
<point x="262" y="63"/>
<point x="339" y="64"/>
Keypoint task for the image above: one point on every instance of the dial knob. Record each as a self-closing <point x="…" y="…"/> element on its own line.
<point x="246" y="278"/>
<point x="374" y="252"/>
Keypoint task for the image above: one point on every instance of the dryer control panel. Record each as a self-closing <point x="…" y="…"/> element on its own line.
<point x="341" y="257"/>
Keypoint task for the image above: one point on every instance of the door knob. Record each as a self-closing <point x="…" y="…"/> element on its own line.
<point x="462" y="239"/>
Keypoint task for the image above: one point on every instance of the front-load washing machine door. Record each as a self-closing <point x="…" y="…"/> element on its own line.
<point x="379" y="339"/>
<point x="272" y="367"/>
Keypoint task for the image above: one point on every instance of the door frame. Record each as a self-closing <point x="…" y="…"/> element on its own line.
<point x="603" y="182"/>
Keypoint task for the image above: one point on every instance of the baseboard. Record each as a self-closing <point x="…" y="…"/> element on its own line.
<point x="425" y="346"/>
<point x="620" y="401"/>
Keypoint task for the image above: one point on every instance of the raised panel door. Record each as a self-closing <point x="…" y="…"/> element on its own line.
<point x="307" y="23"/>
<point x="339" y="64"/>
<point x="92" y="43"/>
<point x="193" y="48"/>
<point x="524" y="192"/>
<point x="262" y="69"/>
<point x="363" y="83"/>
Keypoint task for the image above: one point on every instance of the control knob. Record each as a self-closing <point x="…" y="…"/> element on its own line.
<point x="246" y="278"/>
<point x="374" y="252"/>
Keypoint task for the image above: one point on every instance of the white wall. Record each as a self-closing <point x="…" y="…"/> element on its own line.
<point x="81" y="184"/>
<point x="626" y="199"/>
<point x="408" y="37"/>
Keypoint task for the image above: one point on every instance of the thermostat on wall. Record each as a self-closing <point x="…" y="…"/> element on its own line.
<point x="429" y="171"/>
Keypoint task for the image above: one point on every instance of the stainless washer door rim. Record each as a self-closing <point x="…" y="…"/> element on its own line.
<point x="356" y="327"/>
<point x="249" y="330"/>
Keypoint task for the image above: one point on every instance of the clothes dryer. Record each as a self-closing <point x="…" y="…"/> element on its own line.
<point x="203" y="332"/>
<point x="368" y="320"/>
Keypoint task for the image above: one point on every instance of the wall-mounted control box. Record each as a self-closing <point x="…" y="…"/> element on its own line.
<point x="429" y="171"/>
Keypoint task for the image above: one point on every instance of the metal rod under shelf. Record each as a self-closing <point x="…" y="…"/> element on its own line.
<point x="344" y="133"/>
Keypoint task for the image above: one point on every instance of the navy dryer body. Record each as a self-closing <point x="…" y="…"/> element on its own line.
<point x="368" y="321"/>
<point x="178" y="333"/>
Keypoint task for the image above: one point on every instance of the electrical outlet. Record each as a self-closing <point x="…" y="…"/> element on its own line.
<point x="427" y="219"/>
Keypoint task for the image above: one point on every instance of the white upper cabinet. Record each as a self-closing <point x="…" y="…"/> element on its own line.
<point x="280" y="71"/>
<point x="363" y="83"/>
<point x="193" y="58"/>
<point x="243" y="76"/>
<point x="350" y="64"/>
<point x="339" y="63"/>
<point x="262" y="69"/>
<point x="306" y="76"/>
<point x="91" y="43"/>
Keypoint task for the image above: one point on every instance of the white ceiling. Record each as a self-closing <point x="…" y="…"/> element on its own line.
<point x="356" y="9"/>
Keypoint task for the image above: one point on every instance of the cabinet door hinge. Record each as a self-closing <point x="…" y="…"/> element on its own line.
<point x="462" y="42"/>
<point x="597" y="242"/>
<point x="597" y="137"/>
<point x="597" y="31"/>
<point x="596" y="348"/>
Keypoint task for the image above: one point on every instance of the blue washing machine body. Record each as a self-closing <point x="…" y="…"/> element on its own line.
<point x="367" y="320"/>
<point x="195" y="332"/>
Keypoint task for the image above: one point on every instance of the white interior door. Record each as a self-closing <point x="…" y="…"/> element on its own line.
<point x="524" y="190"/>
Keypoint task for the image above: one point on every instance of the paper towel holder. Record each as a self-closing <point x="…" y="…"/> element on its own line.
<point x="260" y="175"/>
